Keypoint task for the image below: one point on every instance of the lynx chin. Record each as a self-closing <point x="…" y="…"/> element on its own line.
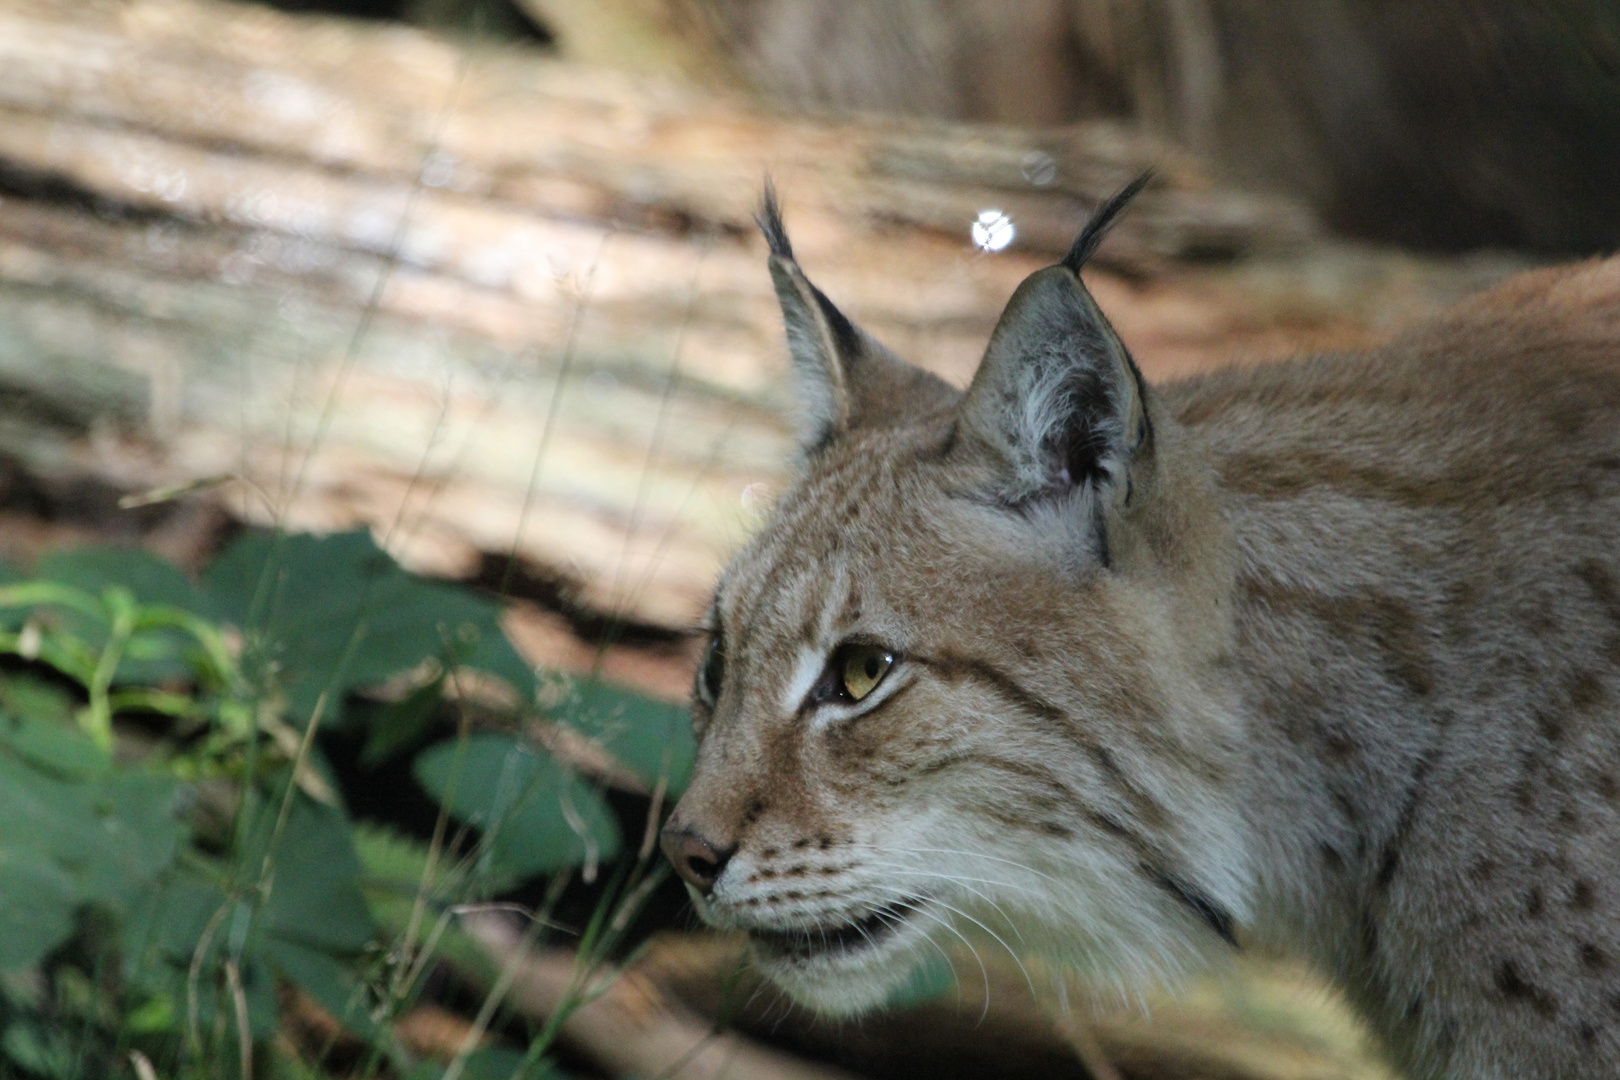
<point x="1319" y="657"/>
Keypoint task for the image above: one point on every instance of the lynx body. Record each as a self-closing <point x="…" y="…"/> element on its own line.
<point x="1320" y="656"/>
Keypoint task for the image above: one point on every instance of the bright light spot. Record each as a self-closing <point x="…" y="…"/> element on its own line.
<point x="993" y="231"/>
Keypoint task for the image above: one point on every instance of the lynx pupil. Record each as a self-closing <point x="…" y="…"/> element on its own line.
<point x="863" y="668"/>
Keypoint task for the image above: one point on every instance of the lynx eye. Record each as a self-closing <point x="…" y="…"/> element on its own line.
<point x="712" y="673"/>
<point x="862" y="667"/>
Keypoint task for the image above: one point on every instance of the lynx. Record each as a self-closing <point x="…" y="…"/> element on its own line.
<point x="1319" y="657"/>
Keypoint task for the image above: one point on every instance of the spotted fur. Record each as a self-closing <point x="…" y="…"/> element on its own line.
<point x="1320" y="657"/>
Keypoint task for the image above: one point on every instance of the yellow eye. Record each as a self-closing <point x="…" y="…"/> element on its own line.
<point x="863" y="668"/>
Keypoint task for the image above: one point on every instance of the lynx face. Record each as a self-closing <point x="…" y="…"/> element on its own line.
<point x="950" y="686"/>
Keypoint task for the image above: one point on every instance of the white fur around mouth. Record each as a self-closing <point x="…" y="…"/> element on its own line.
<point x="861" y="935"/>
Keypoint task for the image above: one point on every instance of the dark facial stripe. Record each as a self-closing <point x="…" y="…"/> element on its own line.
<point x="1058" y="795"/>
<point x="1061" y="797"/>
<point x="1208" y="911"/>
<point x="953" y="668"/>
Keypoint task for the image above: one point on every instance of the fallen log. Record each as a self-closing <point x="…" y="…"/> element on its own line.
<point x="630" y="1028"/>
<point x="489" y="303"/>
<point x="1267" y="1021"/>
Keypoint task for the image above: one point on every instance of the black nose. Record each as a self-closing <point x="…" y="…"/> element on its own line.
<point x="697" y="861"/>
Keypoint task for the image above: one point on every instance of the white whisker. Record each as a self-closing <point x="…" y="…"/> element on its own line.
<point x="984" y="972"/>
<point x="963" y="883"/>
<point x="978" y="855"/>
<point x="997" y="938"/>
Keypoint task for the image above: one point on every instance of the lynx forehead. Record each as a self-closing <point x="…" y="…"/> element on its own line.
<point x="1320" y="657"/>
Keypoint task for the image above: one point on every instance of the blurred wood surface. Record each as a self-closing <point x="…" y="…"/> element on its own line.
<point x="1262" y="1021"/>
<point x="490" y="303"/>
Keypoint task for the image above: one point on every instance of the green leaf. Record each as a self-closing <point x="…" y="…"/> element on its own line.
<point x="315" y="898"/>
<point x="396" y="726"/>
<point x="24" y="695"/>
<point x="40" y="1050"/>
<point x="186" y="917"/>
<point x="337" y="611"/>
<point x="133" y="818"/>
<point x="536" y="815"/>
<point x="109" y="836"/>
<point x="153" y="656"/>
<point x="155" y="1014"/>
<point x="149" y="578"/>
<point x="36" y="724"/>
<point x="168" y="921"/>
<point x="330" y="982"/>
<point x="37" y="900"/>
<point x="394" y="868"/>
<point x="650" y="737"/>
<point x="311" y="927"/>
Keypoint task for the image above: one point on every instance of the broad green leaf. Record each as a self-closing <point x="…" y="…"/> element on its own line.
<point x="396" y="726"/>
<point x="22" y="694"/>
<point x="309" y="928"/>
<point x="330" y="982"/>
<point x="133" y="816"/>
<point x="148" y="577"/>
<point x="394" y="868"/>
<point x="40" y="1049"/>
<point x="179" y="917"/>
<point x="36" y="724"/>
<point x="536" y="815"/>
<point x="336" y="611"/>
<point x="109" y="835"/>
<point x="37" y="900"/>
<point x="154" y="655"/>
<point x="315" y="898"/>
<point x="650" y="737"/>
<point x="168" y="920"/>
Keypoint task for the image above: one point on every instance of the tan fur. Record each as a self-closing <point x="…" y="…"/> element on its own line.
<point x="1341" y="666"/>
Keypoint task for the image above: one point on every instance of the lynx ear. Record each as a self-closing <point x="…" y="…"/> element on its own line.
<point x="845" y="378"/>
<point x="1057" y="399"/>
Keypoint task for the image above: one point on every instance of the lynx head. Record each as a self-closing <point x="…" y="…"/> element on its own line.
<point x="958" y="684"/>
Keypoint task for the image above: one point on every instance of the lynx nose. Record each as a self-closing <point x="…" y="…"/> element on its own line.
<point x="697" y="861"/>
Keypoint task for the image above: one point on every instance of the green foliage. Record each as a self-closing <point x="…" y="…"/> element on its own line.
<point x="68" y="842"/>
<point x="151" y="582"/>
<point x="536" y="815"/>
<point x="335" y="613"/>
<point x="652" y="738"/>
<point x="159" y="881"/>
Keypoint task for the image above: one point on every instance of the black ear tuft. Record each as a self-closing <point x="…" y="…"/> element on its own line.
<point x="1085" y="245"/>
<point x="769" y="220"/>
